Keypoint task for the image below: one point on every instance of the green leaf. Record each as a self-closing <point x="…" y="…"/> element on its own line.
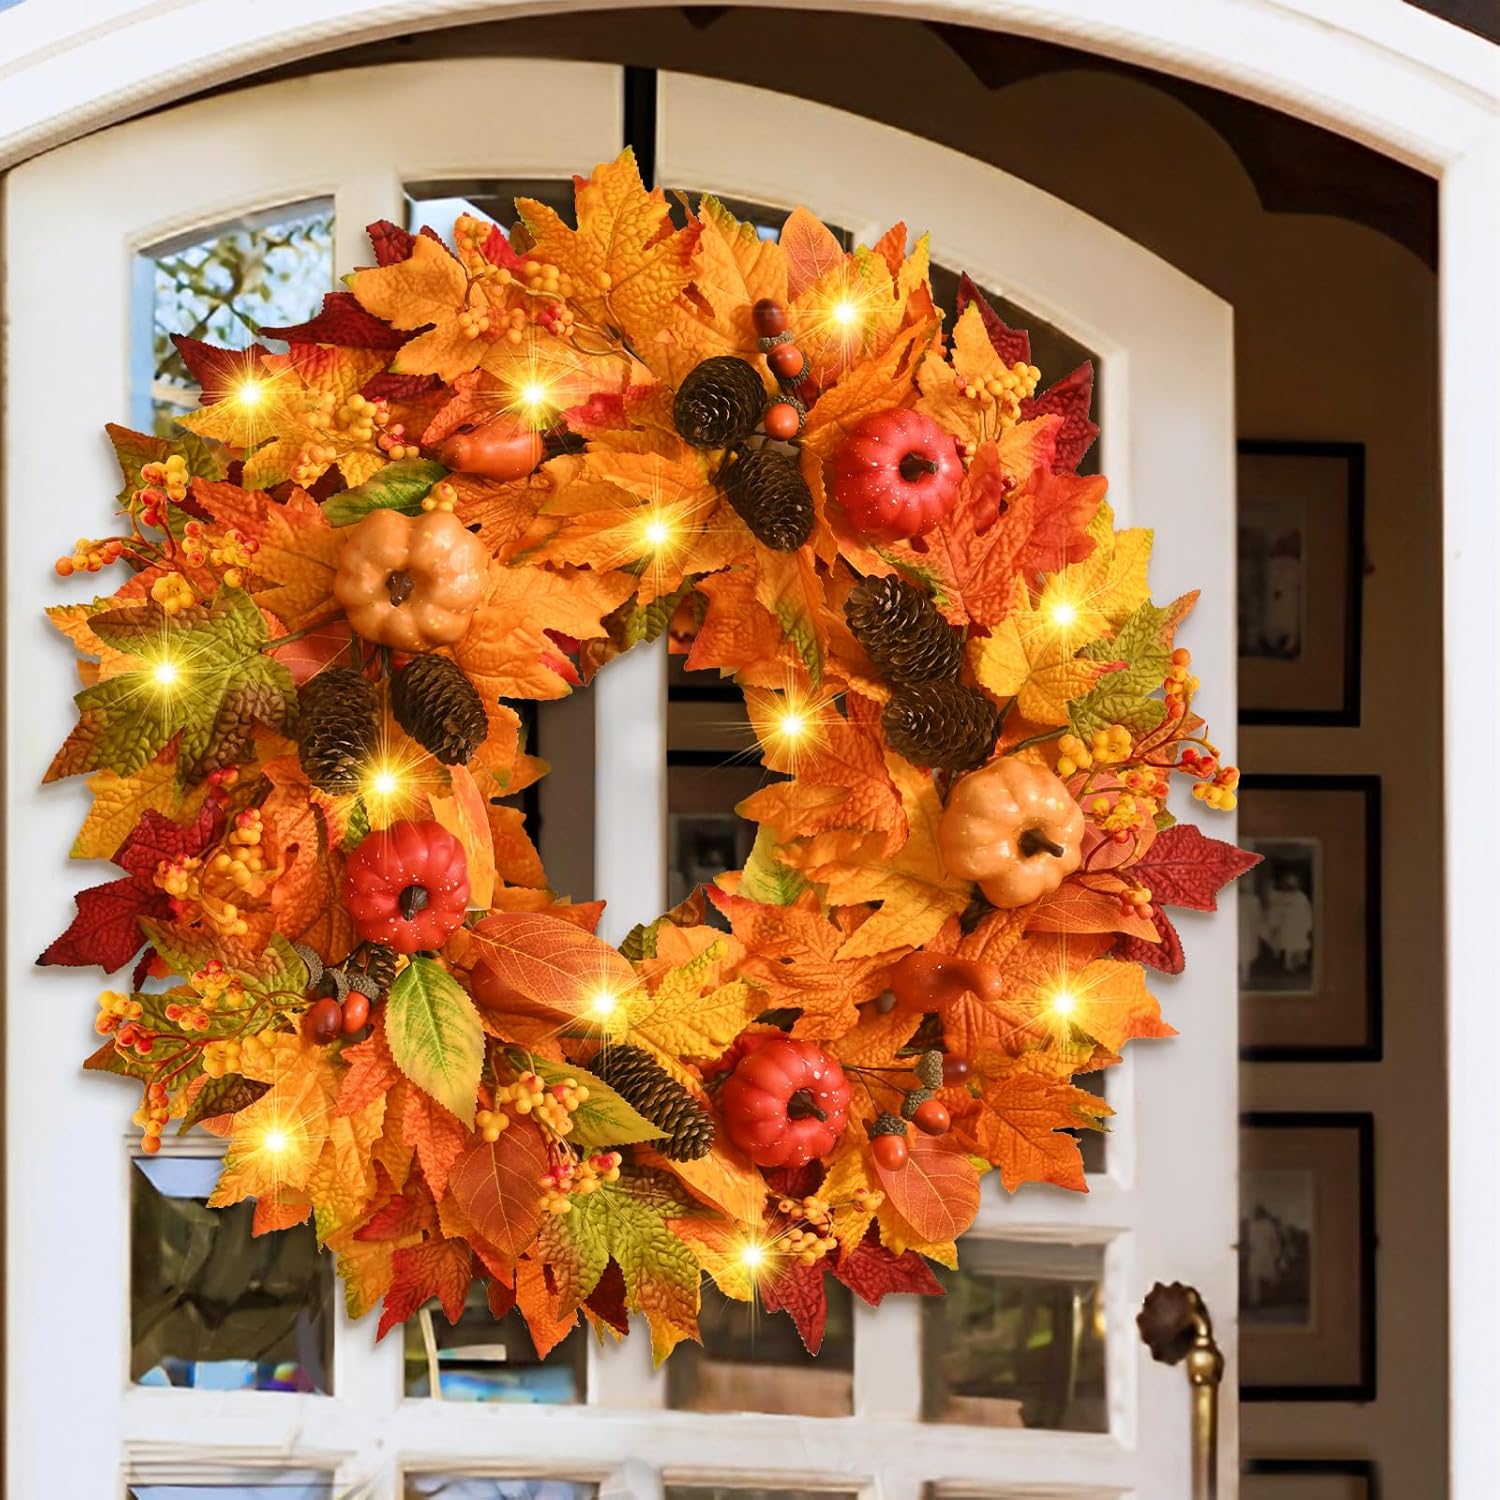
<point x="109" y="1059"/>
<point x="435" y="1035"/>
<point x="222" y="1096"/>
<point x="604" y="1119"/>
<point x="1125" y="696"/>
<point x="765" y="879"/>
<point x="278" y="969"/>
<point x="221" y="683"/>
<point x="205" y="460"/>
<point x="398" y="486"/>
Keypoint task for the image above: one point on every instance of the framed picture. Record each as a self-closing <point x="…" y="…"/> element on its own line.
<point x="1309" y="919"/>
<point x="1308" y="1479"/>
<point x="1307" y="1257"/>
<point x="1301" y="573"/>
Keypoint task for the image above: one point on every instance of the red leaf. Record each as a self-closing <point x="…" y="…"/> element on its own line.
<point x="607" y="1300"/>
<point x="217" y="371"/>
<point x="1062" y="507"/>
<point x="439" y="1137"/>
<point x="1069" y="398"/>
<point x="1183" y="868"/>
<point x="797" y="1290"/>
<point x="497" y="250"/>
<point x="404" y="1215"/>
<point x="306" y="656"/>
<point x="390" y="242"/>
<point x="399" y="387"/>
<point x="441" y="1269"/>
<point x="1011" y="344"/>
<point x="498" y="1186"/>
<point x="870" y="1271"/>
<point x="1167" y="955"/>
<point x="343" y="322"/>
<point x="157" y="837"/>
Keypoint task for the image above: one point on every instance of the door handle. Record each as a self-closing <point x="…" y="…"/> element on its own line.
<point x="1175" y="1326"/>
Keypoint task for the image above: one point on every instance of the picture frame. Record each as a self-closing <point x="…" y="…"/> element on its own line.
<point x="1309" y="1479"/>
<point x="1300" y="518"/>
<point x="1307" y="1256"/>
<point x="1310" y="962"/>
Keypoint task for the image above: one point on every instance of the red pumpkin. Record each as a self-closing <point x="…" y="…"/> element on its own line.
<point x="505" y="449"/>
<point x="407" y="886"/>
<point x="785" y="1103"/>
<point x="896" y="475"/>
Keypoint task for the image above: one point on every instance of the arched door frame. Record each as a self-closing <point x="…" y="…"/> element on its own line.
<point x="1377" y="71"/>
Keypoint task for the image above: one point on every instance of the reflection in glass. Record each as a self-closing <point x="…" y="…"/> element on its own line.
<point x="1019" y="1339"/>
<point x="265" y="270"/>
<point x="437" y="205"/>
<point x="480" y="1359"/>
<point x="754" y="1361"/>
<point x="470" y="1487"/>
<point x="300" y="1485"/>
<point x="213" y="1307"/>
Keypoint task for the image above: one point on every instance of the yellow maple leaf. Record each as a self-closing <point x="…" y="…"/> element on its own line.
<point x="626" y="262"/>
<point x="678" y="1017"/>
<point x="119" y="802"/>
<point x="1030" y="655"/>
<point x="1107" y="586"/>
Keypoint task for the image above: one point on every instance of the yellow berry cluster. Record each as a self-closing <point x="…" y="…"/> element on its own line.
<point x="236" y="869"/>
<point x="867" y="1200"/>
<point x="88" y="556"/>
<point x="1122" y="815"/>
<point x="187" y="1017"/>
<point x="256" y="1050"/>
<point x="1146" y="781"/>
<point x="231" y="551"/>
<point x="161" y="484"/>
<point x="173" y="592"/>
<point x="216" y="985"/>
<point x="355" y="422"/>
<point x="115" y="1008"/>
<point x="1180" y="684"/>
<point x="1110" y="746"/>
<point x="490" y="1123"/>
<point x="152" y="1116"/>
<point x="1135" y="901"/>
<point x="1218" y="792"/>
<point x="1073" y="756"/>
<point x="553" y="1105"/>
<point x="808" y="1245"/>
<point x="442" y="496"/>
<point x="566" y="1177"/>
<point x="221" y="1057"/>
<point x="1005" y="391"/>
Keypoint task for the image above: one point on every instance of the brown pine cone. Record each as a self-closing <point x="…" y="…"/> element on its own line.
<point x="339" y="729"/>
<point x="719" y="402"/>
<point x="947" y="725"/>
<point x="768" y="491"/>
<point x="371" y="969"/>
<point x="439" y="708"/>
<point x="902" y="632"/>
<point x="651" y="1091"/>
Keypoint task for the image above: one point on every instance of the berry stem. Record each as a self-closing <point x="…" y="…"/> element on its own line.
<point x="1039" y="739"/>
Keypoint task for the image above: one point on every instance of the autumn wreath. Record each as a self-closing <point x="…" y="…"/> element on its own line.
<point x="473" y="478"/>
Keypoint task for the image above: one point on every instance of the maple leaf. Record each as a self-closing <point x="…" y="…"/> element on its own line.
<point x="437" y="1136"/>
<point x="792" y="956"/>
<point x="1088" y="904"/>
<point x="1165" y="954"/>
<point x="1185" y="868"/>
<point x="872" y="1273"/>
<point x="439" y="1268"/>
<point x="626" y="261"/>
<point x="1140" y="654"/>
<point x="221" y="683"/>
<point x="498" y="1186"/>
<point x="466" y="815"/>
<point x="972" y="362"/>
<point x="873" y="385"/>
<point x="120" y="802"/>
<point x="1021" y="1128"/>
<point x="107" y="931"/>
<point x="1032" y="658"/>
<point x="536" y="1303"/>
<point x="679" y="1019"/>
<point x="739" y="634"/>
<point x="629" y="1222"/>
<point x="297" y="550"/>
<point x="915" y="891"/>
<point x="799" y="1292"/>
<point x="340" y="321"/>
<point x="508" y="652"/>
<point x="372" y="1071"/>
<point x="1012" y="345"/>
<point x="1069" y="398"/>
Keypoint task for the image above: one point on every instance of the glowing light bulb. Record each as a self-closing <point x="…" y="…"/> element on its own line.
<point x="845" y="313"/>
<point x="1064" y="613"/>
<point x="384" y="783"/>
<point x="791" y="724"/>
<point x="249" y="392"/>
<point x="604" y="1003"/>
<point x="1064" y="1003"/>
<point x="533" y="395"/>
<point x="752" y="1256"/>
<point x="274" y="1142"/>
<point x="164" y="673"/>
<point x="658" y="532"/>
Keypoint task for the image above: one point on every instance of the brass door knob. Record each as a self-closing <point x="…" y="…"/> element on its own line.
<point x="1175" y="1326"/>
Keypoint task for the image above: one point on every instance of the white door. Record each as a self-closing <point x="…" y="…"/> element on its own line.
<point x="310" y="158"/>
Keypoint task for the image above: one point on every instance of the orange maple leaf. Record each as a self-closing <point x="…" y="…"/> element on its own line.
<point x="1019" y="1128"/>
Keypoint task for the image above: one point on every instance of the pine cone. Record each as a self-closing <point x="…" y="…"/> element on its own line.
<point x="719" y="402"/>
<point x="647" y="1086"/>
<point x="943" y="724"/>
<point x="439" y="708"/>
<point x="371" y="969"/>
<point x="901" y="630"/>
<point x="339" y="729"/>
<point x="767" y="489"/>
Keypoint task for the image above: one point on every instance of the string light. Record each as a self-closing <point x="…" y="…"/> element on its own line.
<point x="603" y="1003"/>
<point x="791" y="724"/>
<point x="275" y="1142"/>
<point x="845" y="312"/>
<point x="752" y="1255"/>
<point x="658" y="531"/>
<point x="249" y="392"/>
<point x="1064" y="613"/>
<point x="165" y="673"/>
<point x="533" y="395"/>
<point x="1064" y="1003"/>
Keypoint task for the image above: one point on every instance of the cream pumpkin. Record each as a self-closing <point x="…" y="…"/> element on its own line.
<point x="1014" y="829"/>
<point x="411" y="582"/>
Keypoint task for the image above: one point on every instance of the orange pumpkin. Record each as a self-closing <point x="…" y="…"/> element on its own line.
<point x="1014" y="829"/>
<point x="498" y="450"/>
<point x="411" y="582"/>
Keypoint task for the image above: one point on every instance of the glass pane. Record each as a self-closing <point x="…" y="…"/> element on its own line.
<point x="223" y="286"/>
<point x="302" y="1485"/>
<point x="752" y="1361"/>
<point x="705" y="836"/>
<point x="1019" y="1339"/>
<point x="469" y="1487"/>
<point x="211" y="1306"/>
<point x="480" y="1359"/>
<point x="1053" y="352"/>
<point x="436" y="205"/>
<point x="1093" y="1144"/>
<point x="727" y="1492"/>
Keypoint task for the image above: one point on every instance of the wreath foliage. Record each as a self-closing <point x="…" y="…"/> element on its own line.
<point x="477" y="475"/>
